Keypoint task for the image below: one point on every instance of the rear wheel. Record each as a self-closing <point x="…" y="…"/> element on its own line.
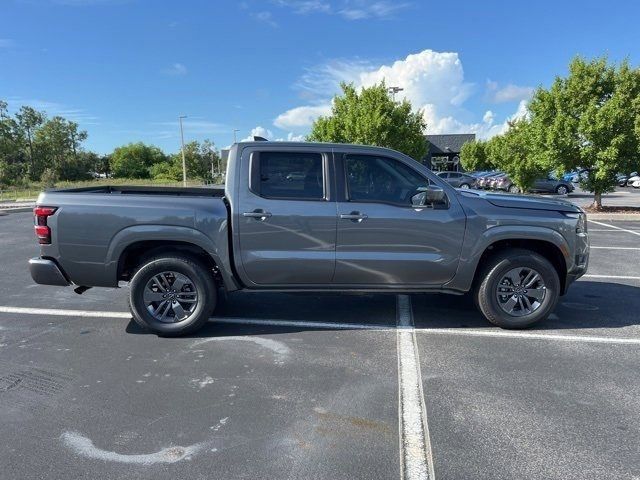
<point x="518" y="288"/>
<point x="172" y="295"/>
<point x="514" y="189"/>
<point x="465" y="186"/>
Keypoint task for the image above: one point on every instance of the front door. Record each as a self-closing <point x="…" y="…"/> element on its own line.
<point x="384" y="240"/>
<point x="287" y="220"/>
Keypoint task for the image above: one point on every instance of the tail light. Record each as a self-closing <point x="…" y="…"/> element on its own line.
<point x="43" y="232"/>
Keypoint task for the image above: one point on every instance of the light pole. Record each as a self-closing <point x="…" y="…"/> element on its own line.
<point x="184" y="162"/>
<point x="393" y="91"/>
<point x="235" y="130"/>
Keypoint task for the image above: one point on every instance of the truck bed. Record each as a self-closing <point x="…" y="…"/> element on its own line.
<point x="212" y="191"/>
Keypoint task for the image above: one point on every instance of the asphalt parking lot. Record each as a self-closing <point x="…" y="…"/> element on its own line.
<point x="322" y="386"/>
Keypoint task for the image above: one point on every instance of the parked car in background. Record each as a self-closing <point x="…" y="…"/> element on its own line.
<point x="621" y="179"/>
<point x="506" y="184"/>
<point x="551" y="184"/>
<point x="633" y="177"/>
<point x="484" y="181"/>
<point x="579" y="175"/>
<point x="636" y="184"/>
<point x="493" y="181"/>
<point x="458" y="179"/>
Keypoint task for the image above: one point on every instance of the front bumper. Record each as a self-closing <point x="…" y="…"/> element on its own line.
<point x="47" y="272"/>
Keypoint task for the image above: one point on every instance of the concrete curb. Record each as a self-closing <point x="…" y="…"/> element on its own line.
<point x="614" y="216"/>
<point x="16" y="210"/>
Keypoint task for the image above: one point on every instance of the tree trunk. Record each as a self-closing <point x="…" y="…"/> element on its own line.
<point x="597" y="200"/>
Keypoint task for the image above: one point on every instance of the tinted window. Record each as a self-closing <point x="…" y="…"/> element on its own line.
<point x="454" y="175"/>
<point x="291" y="175"/>
<point x="371" y="178"/>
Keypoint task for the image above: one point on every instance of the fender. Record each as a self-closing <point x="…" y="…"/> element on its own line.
<point x="169" y="233"/>
<point x="477" y="242"/>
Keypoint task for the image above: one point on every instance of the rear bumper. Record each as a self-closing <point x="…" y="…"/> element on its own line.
<point x="47" y="272"/>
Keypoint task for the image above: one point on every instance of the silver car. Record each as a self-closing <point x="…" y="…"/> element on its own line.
<point x="458" y="179"/>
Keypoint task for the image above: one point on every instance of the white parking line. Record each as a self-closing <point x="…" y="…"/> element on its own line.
<point x="633" y="232"/>
<point x="615" y="248"/>
<point x="618" y="277"/>
<point x="69" y="313"/>
<point x="230" y="320"/>
<point x="529" y="336"/>
<point x="416" y="457"/>
<point x="405" y="325"/>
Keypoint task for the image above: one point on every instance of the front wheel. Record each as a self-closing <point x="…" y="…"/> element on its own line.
<point x="514" y="189"/>
<point x="562" y="190"/>
<point x="518" y="288"/>
<point x="465" y="186"/>
<point x="172" y="295"/>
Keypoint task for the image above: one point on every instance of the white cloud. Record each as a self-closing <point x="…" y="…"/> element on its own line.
<point x="347" y="9"/>
<point x="177" y="69"/>
<point x="431" y="81"/>
<point x="360" y="10"/>
<point x="258" y="132"/>
<point x="304" y="7"/>
<point x="301" y="116"/>
<point x="265" y="17"/>
<point x="508" y="93"/>
<point x="53" y="109"/>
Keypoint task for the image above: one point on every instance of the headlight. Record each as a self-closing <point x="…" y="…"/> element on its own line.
<point x="581" y="226"/>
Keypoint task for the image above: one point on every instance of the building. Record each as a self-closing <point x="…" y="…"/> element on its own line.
<point x="444" y="151"/>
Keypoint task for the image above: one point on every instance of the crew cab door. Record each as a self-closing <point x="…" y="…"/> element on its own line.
<point x="286" y="216"/>
<point x="383" y="239"/>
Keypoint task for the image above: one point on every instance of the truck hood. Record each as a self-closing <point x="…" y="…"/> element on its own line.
<point x="530" y="202"/>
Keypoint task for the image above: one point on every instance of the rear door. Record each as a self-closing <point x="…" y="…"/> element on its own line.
<point x="286" y="216"/>
<point x="384" y="240"/>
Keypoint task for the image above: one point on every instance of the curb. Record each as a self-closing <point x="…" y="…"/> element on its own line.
<point x="614" y="216"/>
<point x="15" y="210"/>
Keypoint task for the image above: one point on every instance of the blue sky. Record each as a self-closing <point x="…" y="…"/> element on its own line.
<point x="125" y="69"/>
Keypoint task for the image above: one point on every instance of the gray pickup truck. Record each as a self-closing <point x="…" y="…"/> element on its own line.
<point x="309" y="217"/>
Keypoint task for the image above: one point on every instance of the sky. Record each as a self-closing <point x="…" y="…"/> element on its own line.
<point x="125" y="70"/>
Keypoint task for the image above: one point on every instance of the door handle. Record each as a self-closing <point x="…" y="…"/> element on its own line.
<point x="354" y="216"/>
<point x="260" y="215"/>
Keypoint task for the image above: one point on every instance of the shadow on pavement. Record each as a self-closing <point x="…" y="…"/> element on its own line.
<point x="587" y="305"/>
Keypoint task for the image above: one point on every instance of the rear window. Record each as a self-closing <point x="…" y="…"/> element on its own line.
<point x="291" y="175"/>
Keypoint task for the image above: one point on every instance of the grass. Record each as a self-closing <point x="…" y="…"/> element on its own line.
<point x="31" y="192"/>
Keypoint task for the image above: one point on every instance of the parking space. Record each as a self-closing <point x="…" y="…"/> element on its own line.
<point x="322" y="386"/>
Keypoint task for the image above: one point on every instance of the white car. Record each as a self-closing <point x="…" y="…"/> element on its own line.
<point x="636" y="184"/>
<point x="633" y="177"/>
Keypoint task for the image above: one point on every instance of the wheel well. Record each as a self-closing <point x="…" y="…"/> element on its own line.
<point x="547" y="249"/>
<point x="137" y="253"/>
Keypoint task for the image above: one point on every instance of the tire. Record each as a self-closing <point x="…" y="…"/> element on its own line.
<point x="465" y="186"/>
<point x="562" y="190"/>
<point x="494" y="306"/>
<point x="514" y="189"/>
<point x="194" y="299"/>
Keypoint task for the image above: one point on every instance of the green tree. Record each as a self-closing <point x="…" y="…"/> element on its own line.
<point x="135" y="160"/>
<point x="58" y="142"/>
<point x="28" y="121"/>
<point x="201" y="160"/>
<point x="371" y="117"/>
<point x="514" y="154"/>
<point x="589" y="119"/>
<point x="473" y="156"/>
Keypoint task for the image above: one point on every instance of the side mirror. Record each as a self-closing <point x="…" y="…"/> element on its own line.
<point x="431" y="195"/>
<point x="435" y="194"/>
